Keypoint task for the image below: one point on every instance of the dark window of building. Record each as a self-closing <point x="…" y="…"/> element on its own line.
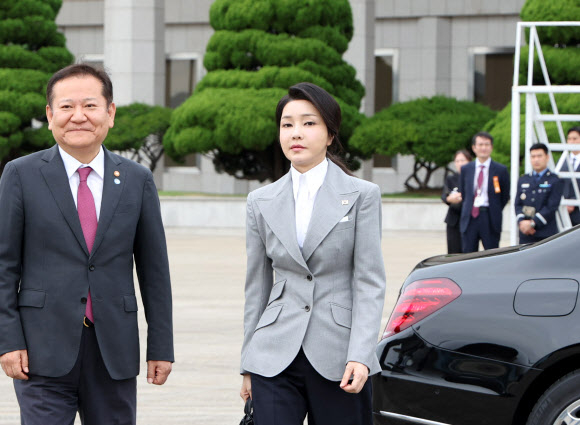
<point x="384" y="77"/>
<point x="493" y="78"/>
<point x="180" y="79"/>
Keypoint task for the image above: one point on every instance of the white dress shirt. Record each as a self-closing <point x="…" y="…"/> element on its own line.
<point x="484" y="195"/>
<point x="575" y="160"/>
<point x="303" y="207"/>
<point x="94" y="181"/>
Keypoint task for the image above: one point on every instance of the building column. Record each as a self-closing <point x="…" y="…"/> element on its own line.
<point x="134" y="33"/>
<point x="361" y="55"/>
<point x="426" y="67"/>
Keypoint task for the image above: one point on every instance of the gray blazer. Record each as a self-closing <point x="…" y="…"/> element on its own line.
<point x="327" y="299"/>
<point x="46" y="270"/>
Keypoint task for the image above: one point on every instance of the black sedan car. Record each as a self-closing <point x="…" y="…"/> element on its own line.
<point x="488" y="338"/>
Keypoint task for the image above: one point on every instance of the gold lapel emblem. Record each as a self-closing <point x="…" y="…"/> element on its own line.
<point x="116" y="173"/>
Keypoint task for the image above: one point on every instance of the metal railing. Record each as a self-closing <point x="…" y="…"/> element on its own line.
<point x="535" y="131"/>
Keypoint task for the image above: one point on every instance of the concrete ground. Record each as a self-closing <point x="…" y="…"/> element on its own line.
<point x="208" y="272"/>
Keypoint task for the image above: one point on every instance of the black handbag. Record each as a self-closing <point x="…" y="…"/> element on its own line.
<point x="248" y="418"/>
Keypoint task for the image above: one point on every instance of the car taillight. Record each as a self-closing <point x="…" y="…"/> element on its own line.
<point x="419" y="300"/>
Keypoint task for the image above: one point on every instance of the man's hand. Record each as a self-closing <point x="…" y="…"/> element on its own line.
<point x="570" y="208"/>
<point x="360" y="375"/>
<point x="158" y="371"/>
<point x="526" y="227"/>
<point x="246" y="390"/>
<point x="15" y="364"/>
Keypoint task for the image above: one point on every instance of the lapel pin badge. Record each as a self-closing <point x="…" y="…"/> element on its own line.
<point x="116" y="173"/>
<point x="345" y="202"/>
<point x="117" y="181"/>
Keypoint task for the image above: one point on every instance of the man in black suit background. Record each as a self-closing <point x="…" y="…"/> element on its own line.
<point x="73" y="219"/>
<point x="573" y="138"/>
<point x="485" y="187"/>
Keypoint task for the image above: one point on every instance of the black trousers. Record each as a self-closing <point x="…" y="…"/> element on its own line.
<point x="87" y="388"/>
<point x="453" y="240"/>
<point x="479" y="229"/>
<point x="286" y="399"/>
<point x="530" y="238"/>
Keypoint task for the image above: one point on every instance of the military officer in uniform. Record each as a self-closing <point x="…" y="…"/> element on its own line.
<point x="538" y="198"/>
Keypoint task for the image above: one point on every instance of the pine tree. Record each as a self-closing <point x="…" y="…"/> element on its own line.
<point x="31" y="50"/>
<point x="430" y="129"/>
<point x="259" y="49"/>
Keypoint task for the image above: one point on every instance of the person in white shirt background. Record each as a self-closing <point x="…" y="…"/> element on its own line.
<point x="573" y="137"/>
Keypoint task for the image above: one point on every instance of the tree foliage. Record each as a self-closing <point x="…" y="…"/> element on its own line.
<point x="138" y="132"/>
<point x="430" y="129"/>
<point x="259" y="49"/>
<point x="563" y="64"/>
<point x="554" y="10"/>
<point x="31" y="50"/>
<point x="500" y="126"/>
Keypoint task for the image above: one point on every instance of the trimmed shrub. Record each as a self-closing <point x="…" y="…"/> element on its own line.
<point x="260" y="49"/>
<point x="31" y="50"/>
<point x="430" y="129"/>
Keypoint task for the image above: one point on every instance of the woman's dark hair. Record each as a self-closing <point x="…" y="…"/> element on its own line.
<point x="463" y="152"/>
<point x="329" y="111"/>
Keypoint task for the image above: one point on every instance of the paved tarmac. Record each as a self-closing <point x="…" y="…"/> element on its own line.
<point x="208" y="272"/>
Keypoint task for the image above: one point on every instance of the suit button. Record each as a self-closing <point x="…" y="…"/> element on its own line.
<point x="307" y="308"/>
<point x="309" y="277"/>
<point x="92" y="267"/>
<point x="83" y="300"/>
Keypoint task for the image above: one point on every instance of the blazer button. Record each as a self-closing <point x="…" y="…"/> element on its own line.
<point x="92" y="267"/>
<point x="307" y="308"/>
<point x="309" y="277"/>
<point x="83" y="300"/>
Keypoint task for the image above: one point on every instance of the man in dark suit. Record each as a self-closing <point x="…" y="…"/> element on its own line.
<point x="485" y="187"/>
<point x="573" y="138"/>
<point x="73" y="218"/>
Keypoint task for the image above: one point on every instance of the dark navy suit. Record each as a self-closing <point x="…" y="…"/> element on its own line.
<point x="487" y="226"/>
<point x="453" y="214"/>
<point x="568" y="192"/>
<point x="544" y="196"/>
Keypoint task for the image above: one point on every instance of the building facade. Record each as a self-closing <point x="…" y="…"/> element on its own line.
<point x="401" y="49"/>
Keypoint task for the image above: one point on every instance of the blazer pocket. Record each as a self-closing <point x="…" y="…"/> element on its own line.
<point x="130" y="302"/>
<point x="31" y="298"/>
<point x="269" y="316"/>
<point x="276" y="292"/>
<point x="341" y="315"/>
<point x="343" y="225"/>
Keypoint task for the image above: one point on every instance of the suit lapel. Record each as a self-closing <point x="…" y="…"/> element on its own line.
<point x="278" y="211"/>
<point x="57" y="181"/>
<point x="111" y="195"/>
<point x="490" y="187"/>
<point x="334" y="200"/>
<point x="469" y="179"/>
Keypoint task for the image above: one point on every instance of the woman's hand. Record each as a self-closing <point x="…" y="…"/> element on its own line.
<point x="454" y="198"/>
<point x="246" y="390"/>
<point x="359" y="373"/>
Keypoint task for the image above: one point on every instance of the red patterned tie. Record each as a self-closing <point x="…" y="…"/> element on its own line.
<point x="88" y="217"/>
<point x="475" y="210"/>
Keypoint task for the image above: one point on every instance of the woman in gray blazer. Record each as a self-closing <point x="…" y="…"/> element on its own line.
<point x="315" y="280"/>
